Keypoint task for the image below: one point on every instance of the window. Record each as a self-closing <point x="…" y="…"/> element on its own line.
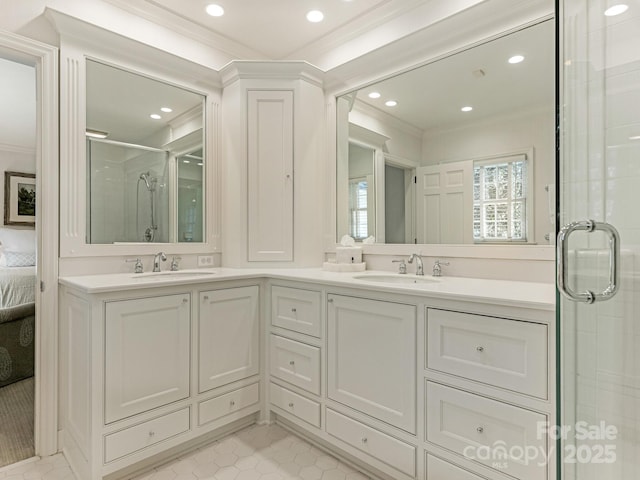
<point x="500" y="200"/>
<point x="358" y="208"/>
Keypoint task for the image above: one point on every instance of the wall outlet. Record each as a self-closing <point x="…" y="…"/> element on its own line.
<point x="205" y="260"/>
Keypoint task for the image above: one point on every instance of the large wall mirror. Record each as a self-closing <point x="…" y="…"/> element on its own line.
<point x="458" y="151"/>
<point x="145" y="159"/>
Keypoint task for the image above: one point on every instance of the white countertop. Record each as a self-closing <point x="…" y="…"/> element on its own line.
<point x="504" y="292"/>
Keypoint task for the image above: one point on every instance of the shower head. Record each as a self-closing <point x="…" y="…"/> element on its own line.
<point x="147" y="179"/>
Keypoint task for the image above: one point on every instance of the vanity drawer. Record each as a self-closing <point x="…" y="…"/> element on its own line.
<point x="132" y="439"/>
<point x="222" y="405"/>
<point x="296" y="309"/>
<point x="505" y="353"/>
<point x="385" y="448"/>
<point x="295" y="404"/>
<point x="442" y="470"/>
<point x="296" y="363"/>
<point x="461" y="422"/>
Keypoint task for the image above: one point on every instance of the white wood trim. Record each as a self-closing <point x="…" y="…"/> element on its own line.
<point x="45" y="59"/>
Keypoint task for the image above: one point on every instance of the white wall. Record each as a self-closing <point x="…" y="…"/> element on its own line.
<point x="504" y="135"/>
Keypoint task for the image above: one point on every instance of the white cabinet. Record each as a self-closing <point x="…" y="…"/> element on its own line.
<point x="270" y="175"/>
<point x="438" y="469"/>
<point x="371" y="357"/>
<point x="131" y="365"/>
<point x="228" y="336"/>
<point x="506" y="353"/>
<point x="294" y="404"/>
<point x="147" y="354"/>
<point x="296" y="363"/>
<point x="296" y="309"/>
<point x="472" y="425"/>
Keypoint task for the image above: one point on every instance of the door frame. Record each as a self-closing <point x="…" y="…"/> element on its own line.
<point x="45" y="60"/>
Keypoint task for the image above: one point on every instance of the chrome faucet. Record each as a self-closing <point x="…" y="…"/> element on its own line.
<point x="437" y="268"/>
<point x="419" y="266"/>
<point x="156" y="261"/>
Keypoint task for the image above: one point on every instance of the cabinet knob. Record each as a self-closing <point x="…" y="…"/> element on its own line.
<point x="232" y="403"/>
<point x="480" y="348"/>
<point x="292" y="362"/>
<point x="330" y="300"/>
<point x="185" y="300"/>
<point x="480" y="430"/>
<point x="364" y="440"/>
<point x="293" y="310"/>
<point x="206" y="297"/>
<point x="290" y="404"/>
<point x="151" y="434"/>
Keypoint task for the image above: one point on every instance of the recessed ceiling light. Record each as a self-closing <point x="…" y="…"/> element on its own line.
<point x="616" y="10"/>
<point x="315" y="16"/>
<point x="466" y="109"/>
<point x="155" y="116"/>
<point x="374" y="95"/>
<point x="516" y="59"/>
<point x="200" y="164"/>
<point x="95" y="133"/>
<point x="215" y="10"/>
<point x="636" y="137"/>
<point x="186" y="161"/>
<point x="166" y="109"/>
<point x="391" y="103"/>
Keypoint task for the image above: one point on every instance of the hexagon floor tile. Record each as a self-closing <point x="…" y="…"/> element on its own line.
<point x="255" y="453"/>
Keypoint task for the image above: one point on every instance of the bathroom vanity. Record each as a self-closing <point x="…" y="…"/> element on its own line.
<point x="404" y="380"/>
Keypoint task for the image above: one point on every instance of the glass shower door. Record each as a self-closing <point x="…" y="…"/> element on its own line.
<point x="599" y="410"/>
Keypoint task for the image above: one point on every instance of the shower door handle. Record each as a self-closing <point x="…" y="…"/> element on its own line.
<point x="562" y="258"/>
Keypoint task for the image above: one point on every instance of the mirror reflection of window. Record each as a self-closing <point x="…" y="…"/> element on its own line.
<point x="358" y="225"/>
<point x="500" y="201"/>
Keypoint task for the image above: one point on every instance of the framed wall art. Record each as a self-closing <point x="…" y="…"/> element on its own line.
<point x="19" y="198"/>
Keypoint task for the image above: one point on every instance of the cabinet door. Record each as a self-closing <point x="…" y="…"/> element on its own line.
<point x="270" y="175"/>
<point x="372" y="358"/>
<point x="228" y="332"/>
<point x="147" y="351"/>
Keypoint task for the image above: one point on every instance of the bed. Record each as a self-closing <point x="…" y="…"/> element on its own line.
<point x="17" y="322"/>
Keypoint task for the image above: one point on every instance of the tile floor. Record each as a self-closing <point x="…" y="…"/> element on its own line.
<point x="255" y="453"/>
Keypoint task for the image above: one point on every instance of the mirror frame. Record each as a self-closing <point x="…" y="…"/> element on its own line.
<point x="463" y="34"/>
<point x="80" y="41"/>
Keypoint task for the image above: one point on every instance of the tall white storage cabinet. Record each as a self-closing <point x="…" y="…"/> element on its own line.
<point x="270" y="175"/>
<point x="273" y="140"/>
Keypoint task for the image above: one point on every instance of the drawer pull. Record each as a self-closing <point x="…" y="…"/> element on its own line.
<point x="232" y="403"/>
<point x="480" y="348"/>
<point x="364" y="440"/>
<point x="330" y="300"/>
<point x="480" y="429"/>
<point x="294" y="310"/>
<point x="206" y="297"/>
<point x="151" y="434"/>
<point x="290" y="404"/>
<point x="292" y="362"/>
<point x="185" y="300"/>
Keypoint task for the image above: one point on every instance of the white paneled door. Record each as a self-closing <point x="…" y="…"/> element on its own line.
<point x="600" y="196"/>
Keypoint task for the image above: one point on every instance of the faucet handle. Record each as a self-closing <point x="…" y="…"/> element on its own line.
<point x="402" y="268"/>
<point x="437" y="268"/>
<point x="174" y="263"/>
<point x="137" y="268"/>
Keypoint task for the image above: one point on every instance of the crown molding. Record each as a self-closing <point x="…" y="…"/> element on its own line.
<point x="264" y="70"/>
<point x="387" y="119"/>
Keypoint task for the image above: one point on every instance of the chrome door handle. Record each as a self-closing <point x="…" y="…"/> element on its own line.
<point x="563" y="255"/>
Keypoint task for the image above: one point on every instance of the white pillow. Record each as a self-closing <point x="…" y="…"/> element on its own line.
<point x="18" y="239"/>
<point x="19" y="259"/>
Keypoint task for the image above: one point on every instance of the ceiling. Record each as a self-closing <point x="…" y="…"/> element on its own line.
<point x="430" y="97"/>
<point x="271" y="29"/>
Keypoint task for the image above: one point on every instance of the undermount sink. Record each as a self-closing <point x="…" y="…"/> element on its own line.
<point x="169" y="273"/>
<point x="397" y="278"/>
